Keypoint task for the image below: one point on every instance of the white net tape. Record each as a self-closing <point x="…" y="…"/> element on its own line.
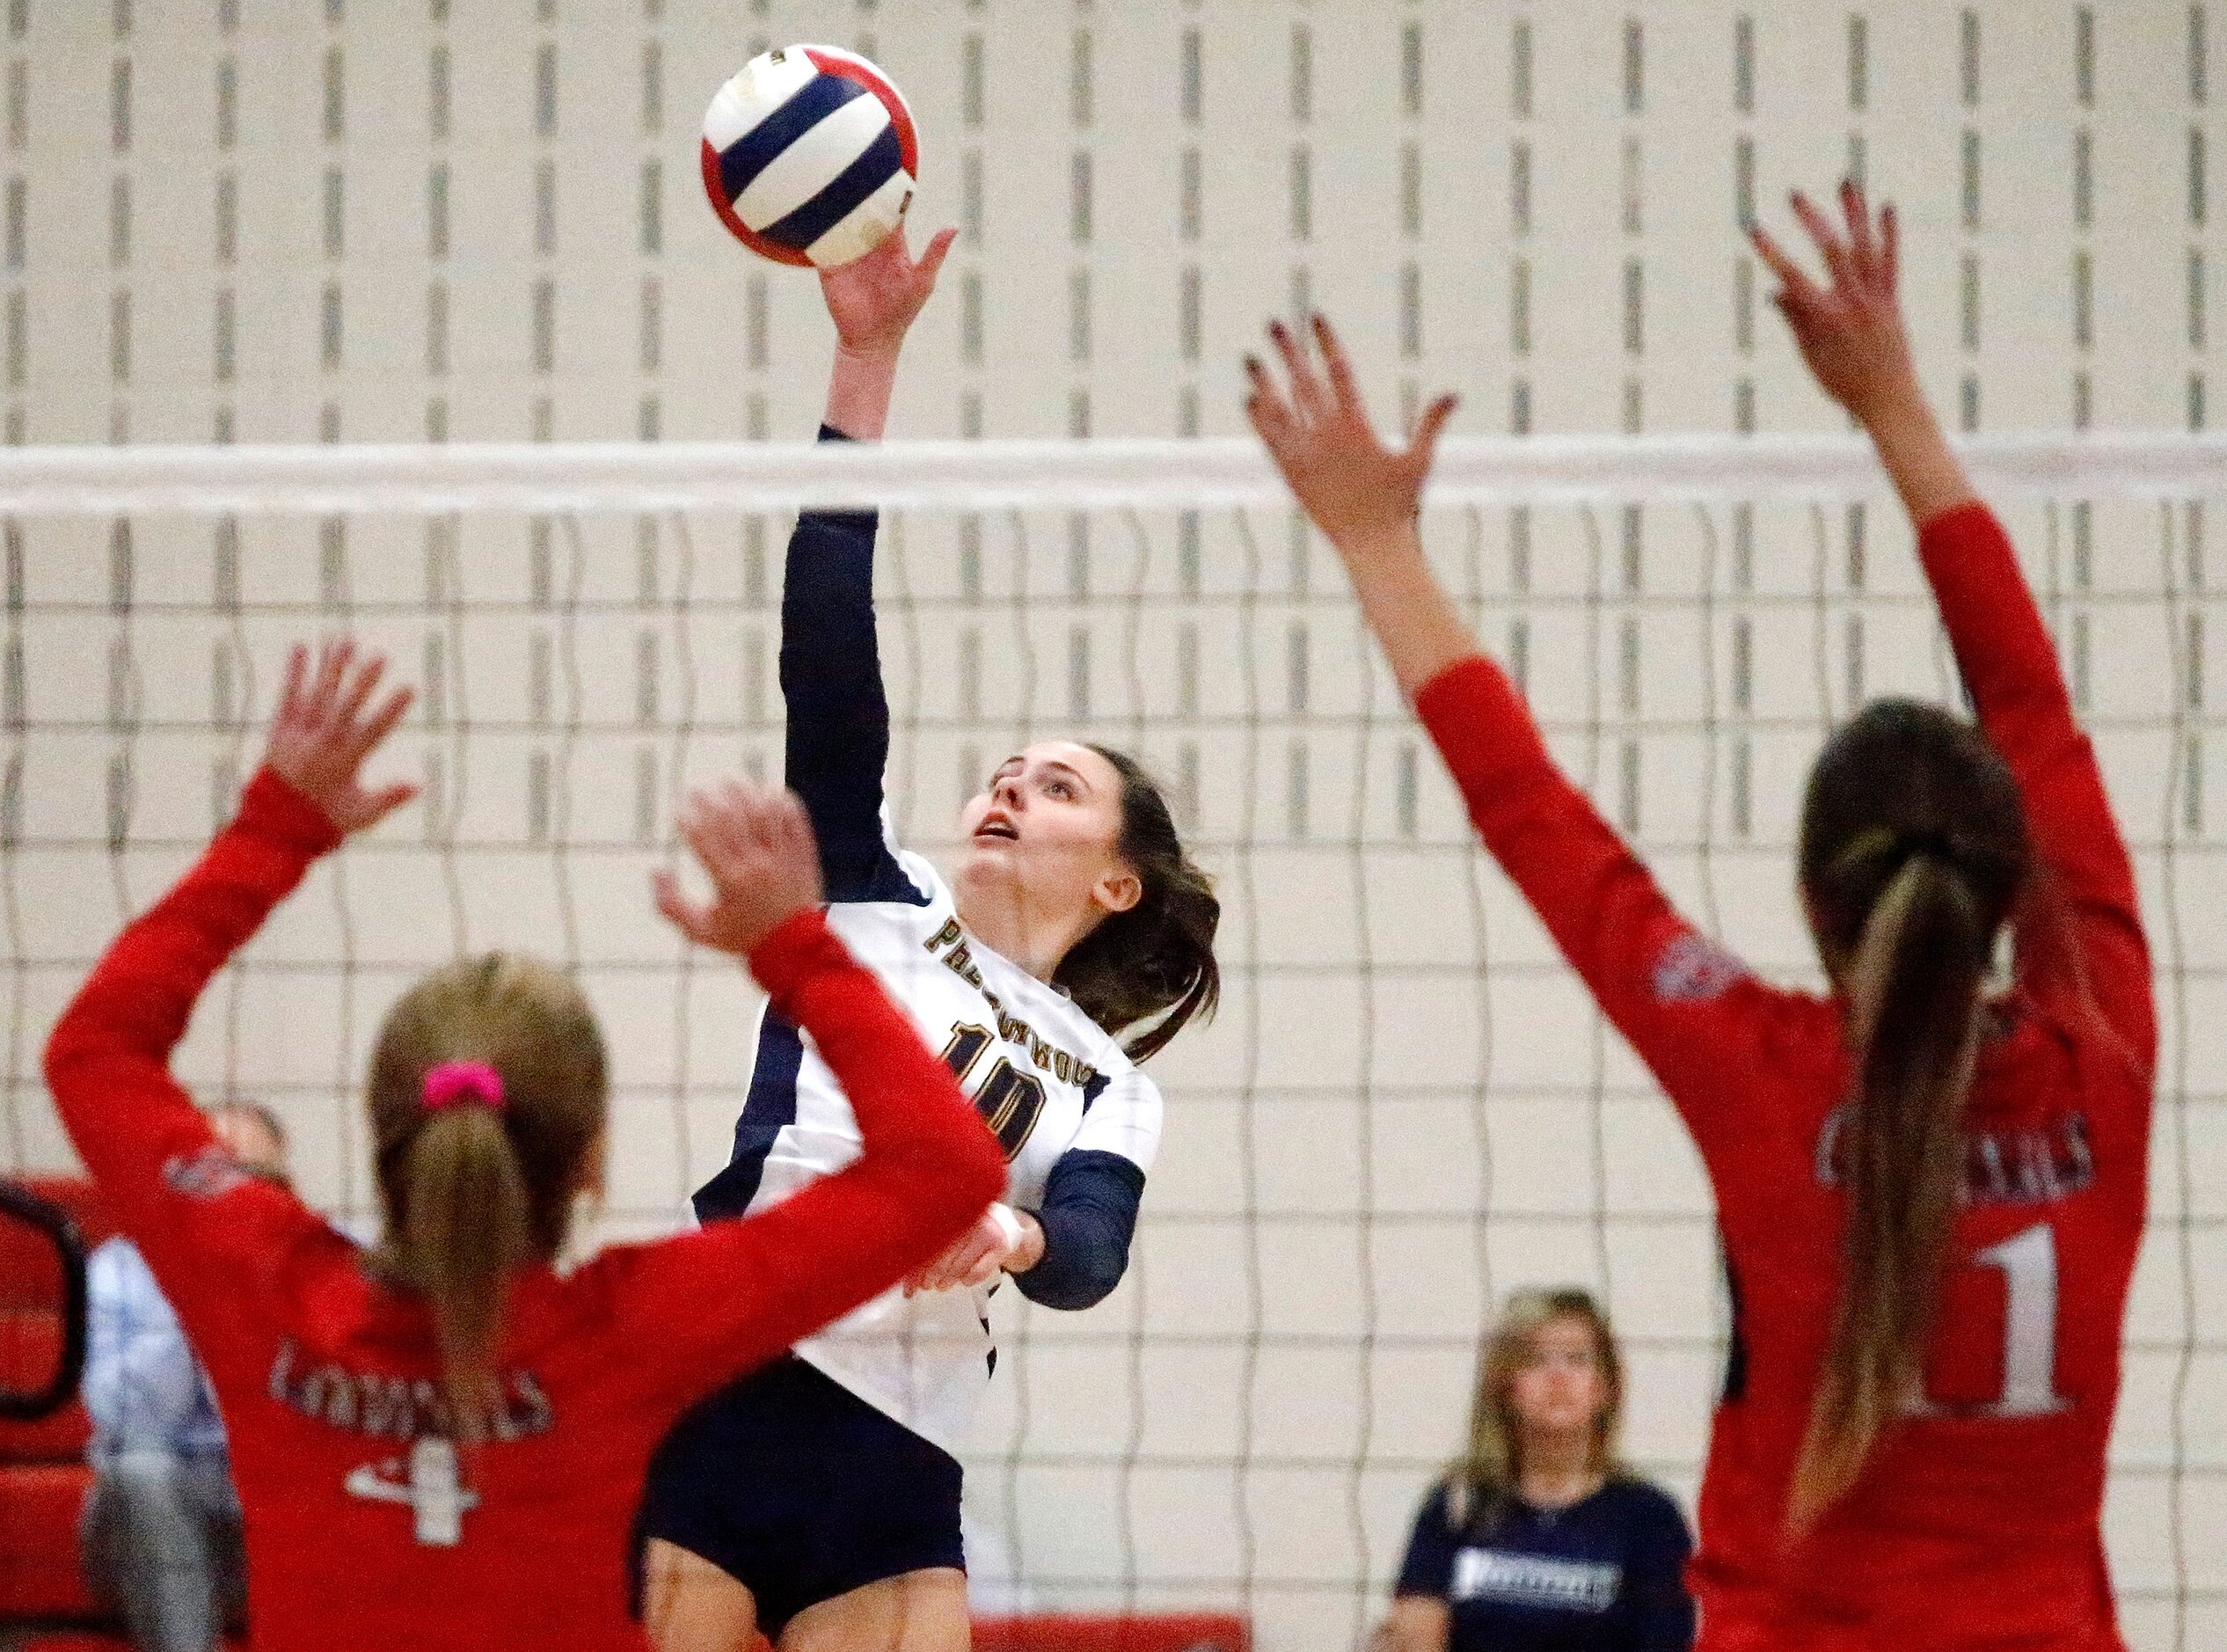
<point x="1093" y="475"/>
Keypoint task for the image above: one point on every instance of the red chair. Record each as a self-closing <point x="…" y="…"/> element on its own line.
<point x="1157" y="1632"/>
<point x="46" y="1226"/>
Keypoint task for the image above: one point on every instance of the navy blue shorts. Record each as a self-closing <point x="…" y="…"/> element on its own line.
<point x="801" y="1491"/>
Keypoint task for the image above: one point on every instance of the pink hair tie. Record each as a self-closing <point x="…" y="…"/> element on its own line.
<point x="463" y="1084"/>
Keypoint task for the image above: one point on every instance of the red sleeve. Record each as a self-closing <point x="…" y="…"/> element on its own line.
<point x="2010" y="669"/>
<point x="733" y="1293"/>
<point x="175" y="1191"/>
<point x="1687" y="1006"/>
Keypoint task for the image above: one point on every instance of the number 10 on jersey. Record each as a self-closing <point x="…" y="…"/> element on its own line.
<point x="1009" y="1100"/>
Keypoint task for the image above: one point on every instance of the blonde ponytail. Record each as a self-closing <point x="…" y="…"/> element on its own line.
<point x="1914" y="855"/>
<point x="1915" y="988"/>
<point x="464" y="1227"/>
<point x="488" y="1096"/>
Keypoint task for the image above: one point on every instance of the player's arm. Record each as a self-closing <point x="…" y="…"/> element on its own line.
<point x="1415" y="1623"/>
<point x="1088" y="1215"/>
<point x="737" y="1292"/>
<point x="838" y="711"/>
<point x="1672" y="993"/>
<point x="1419" y="1620"/>
<point x="1851" y="334"/>
<point x="173" y="1186"/>
<point x="1657" y="1611"/>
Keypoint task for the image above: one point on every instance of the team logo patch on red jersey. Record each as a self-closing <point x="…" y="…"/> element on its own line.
<point x="210" y="1173"/>
<point x="1693" y="969"/>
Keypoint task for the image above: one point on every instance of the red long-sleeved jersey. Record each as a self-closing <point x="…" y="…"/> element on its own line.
<point x="365" y="1527"/>
<point x="1978" y="1523"/>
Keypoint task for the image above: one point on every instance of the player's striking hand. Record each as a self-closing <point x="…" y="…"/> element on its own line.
<point x="327" y="725"/>
<point x="755" y="846"/>
<point x="872" y="300"/>
<point x="1849" y="331"/>
<point x="1355" y="487"/>
<point x="982" y="1251"/>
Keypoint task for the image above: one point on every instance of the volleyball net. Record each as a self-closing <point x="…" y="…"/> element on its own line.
<point x="1406" y="1108"/>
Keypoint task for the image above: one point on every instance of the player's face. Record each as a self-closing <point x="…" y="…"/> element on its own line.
<point x="1560" y="1388"/>
<point x="1048" y="827"/>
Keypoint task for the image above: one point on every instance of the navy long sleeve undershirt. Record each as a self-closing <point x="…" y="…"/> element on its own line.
<point x="837" y="742"/>
<point x="1089" y="1217"/>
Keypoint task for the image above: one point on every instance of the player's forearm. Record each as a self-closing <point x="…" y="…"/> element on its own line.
<point x="135" y="1005"/>
<point x="1082" y="1232"/>
<point x="1406" y="608"/>
<point x="108" y="1060"/>
<point x="859" y="390"/>
<point x="1916" y="454"/>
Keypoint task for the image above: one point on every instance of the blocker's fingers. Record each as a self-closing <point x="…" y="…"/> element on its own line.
<point x="792" y="827"/>
<point x="1265" y="407"/>
<point x="1856" y="212"/>
<point x="391" y="712"/>
<point x="355" y="688"/>
<point x="1830" y="244"/>
<point x="1342" y="386"/>
<point x="1307" y="393"/>
<point x="297" y="676"/>
<point x="1430" y="425"/>
<point x="1890" y="245"/>
<point x="333" y="661"/>
<point x="388" y="798"/>
<point x="687" y="916"/>
<point x="696" y="828"/>
<point x="1793" y="281"/>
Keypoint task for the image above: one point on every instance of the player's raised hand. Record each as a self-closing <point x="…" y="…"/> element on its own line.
<point x="1356" y="488"/>
<point x="328" y="722"/>
<point x="755" y="846"/>
<point x="1849" y="329"/>
<point x="872" y="300"/>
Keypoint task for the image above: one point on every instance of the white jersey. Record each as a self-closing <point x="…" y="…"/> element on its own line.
<point x="1047" y="1079"/>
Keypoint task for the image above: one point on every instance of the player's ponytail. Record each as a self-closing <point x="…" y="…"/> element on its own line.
<point x="488" y="1096"/>
<point x="463" y="1227"/>
<point x="1914" y="850"/>
<point x="1156" y="959"/>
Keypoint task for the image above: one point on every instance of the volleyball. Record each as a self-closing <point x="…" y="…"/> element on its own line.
<point x="809" y="156"/>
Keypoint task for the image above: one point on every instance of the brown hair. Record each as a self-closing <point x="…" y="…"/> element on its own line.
<point x="1480" y="1482"/>
<point x="472" y="1192"/>
<point x="1156" y="959"/>
<point x="1913" y="852"/>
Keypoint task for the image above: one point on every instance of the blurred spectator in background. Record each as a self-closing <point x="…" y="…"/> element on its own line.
<point x="1538" y="1539"/>
<point x="161" y="1538"/>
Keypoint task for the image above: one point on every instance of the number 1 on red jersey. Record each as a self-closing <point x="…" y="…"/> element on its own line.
<point x="2028" y="1262"/>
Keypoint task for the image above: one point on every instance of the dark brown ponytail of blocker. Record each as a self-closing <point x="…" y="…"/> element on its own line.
<point x="1913" y="852"/>
<point x="1156" y="959"/>
<point x="472" y="1191"/>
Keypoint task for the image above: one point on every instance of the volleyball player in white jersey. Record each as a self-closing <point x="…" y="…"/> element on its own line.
<point x="817" y="1502"/>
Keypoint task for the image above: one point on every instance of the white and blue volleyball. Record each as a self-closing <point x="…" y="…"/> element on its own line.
<point x="809" y="156"/>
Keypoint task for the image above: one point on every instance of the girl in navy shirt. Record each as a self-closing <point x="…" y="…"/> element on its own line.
<point x="1537" y="1540"/>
